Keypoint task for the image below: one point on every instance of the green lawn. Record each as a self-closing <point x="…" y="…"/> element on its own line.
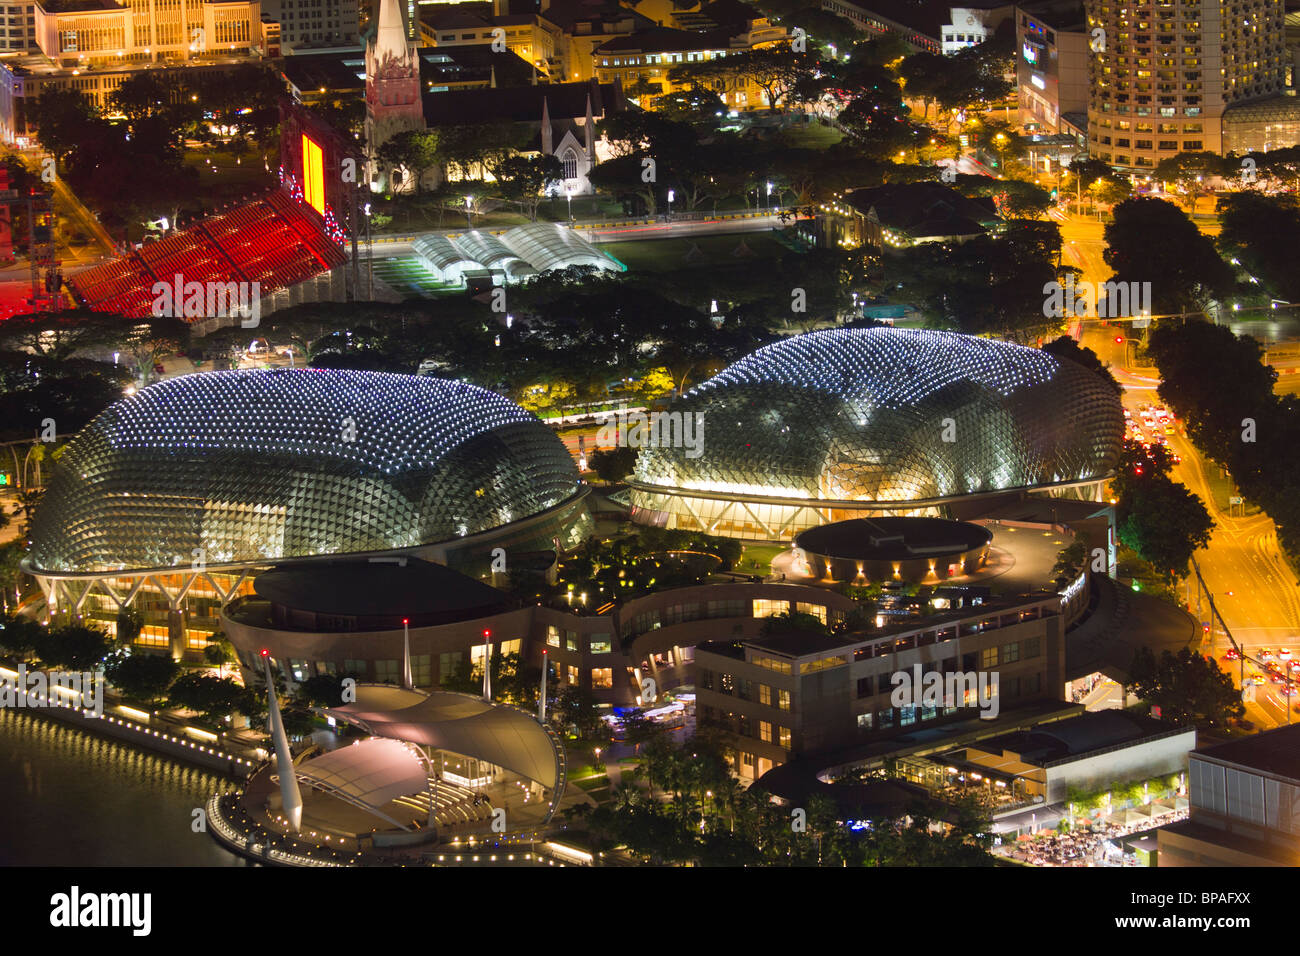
<point x="758" y="558"/>
<point x="224" y="177"/>
<point x="813" y="136"/>
<point x="666" y="255"/>
<point x="409" y="276"/>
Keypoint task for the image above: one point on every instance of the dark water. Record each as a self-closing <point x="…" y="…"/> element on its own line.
<point x="68" y="798"/>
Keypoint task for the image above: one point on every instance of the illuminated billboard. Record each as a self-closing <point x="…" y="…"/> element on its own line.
<point x="313" y="175"/>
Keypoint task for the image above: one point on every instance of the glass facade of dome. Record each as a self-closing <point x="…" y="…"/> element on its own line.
<point x="876" y="419"/>
<point x="253" y="466"/>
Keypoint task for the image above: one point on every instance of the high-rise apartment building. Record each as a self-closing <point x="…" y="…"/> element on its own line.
<point x="1163" y="72"/>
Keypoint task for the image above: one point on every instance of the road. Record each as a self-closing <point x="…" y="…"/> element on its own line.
<point x="1253" y="588"/>
<point x="595" y="230"/>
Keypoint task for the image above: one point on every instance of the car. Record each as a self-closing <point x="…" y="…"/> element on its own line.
<point x="1128" y="414"/>
<point x="1264" y="654"/>
<point x="1232" y="654"/>
<point x="1170" y="430"/>
<point x="1284" y="653"/>
<point x="1259" y="680"/>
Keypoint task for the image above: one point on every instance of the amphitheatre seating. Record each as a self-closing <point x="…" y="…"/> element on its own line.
<point x="270" y="241"/>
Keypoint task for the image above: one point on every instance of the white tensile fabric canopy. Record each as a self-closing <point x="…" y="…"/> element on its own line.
<point x="370" y="773"/>
<point x="460" y="723"/>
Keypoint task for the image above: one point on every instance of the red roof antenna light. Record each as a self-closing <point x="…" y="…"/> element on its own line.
<point x="405" y="621"/>
<point x="486" y="633"/>
<point x="265" y="652"/>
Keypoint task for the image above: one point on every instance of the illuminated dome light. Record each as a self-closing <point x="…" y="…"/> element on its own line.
<point x="258" y="465"/>
<point x="829" y="424"/>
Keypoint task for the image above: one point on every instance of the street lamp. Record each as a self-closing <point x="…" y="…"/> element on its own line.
<point x="469" y="206"/>
<point x="670" y="204"/>
<point x="769" y="195"/>
<point x="568" y="194"/>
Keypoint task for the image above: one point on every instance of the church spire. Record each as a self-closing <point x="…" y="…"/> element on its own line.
<point x="390" y="37"/>
<point x="589" y="129"/>
<point x="548" y="147"/>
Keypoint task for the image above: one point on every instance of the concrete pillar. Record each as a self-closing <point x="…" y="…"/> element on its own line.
<point x="176" y="633"/>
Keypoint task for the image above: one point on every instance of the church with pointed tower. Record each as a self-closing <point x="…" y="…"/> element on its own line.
<point x="557" y="119"/>
<point x="393" y="102"/>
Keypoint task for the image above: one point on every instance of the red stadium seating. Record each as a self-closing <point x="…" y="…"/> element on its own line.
<point x="271" y="241"/>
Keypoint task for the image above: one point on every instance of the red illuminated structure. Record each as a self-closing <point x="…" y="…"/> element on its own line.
<point x="322" y="171"/>
<point x="290" y="235"/>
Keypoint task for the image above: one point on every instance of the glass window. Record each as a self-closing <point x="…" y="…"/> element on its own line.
<point x="356" y="668"/>
<point x="570" y="640"/>
<point x="1010" y="653"/>
<point x="989" y="657"/>
<point x="783" y="699"/>
<point x="765" y="695"/>
<point x="784" y="737"/>
<point x="816" y="610"/>
<point x="766" y="608"/>
<point x="765" y="730"/>
<point x="387" y="672"/>
<point x="600" y="644"/>
<point x="422" y="669"/>
<point x="602" y="677"/>
<point x="553" y="636"/>
<point x="447" y="664"/>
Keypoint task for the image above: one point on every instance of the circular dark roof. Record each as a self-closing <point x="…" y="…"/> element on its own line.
<point x="386" y="588"/>
<point x="892" y="539"/>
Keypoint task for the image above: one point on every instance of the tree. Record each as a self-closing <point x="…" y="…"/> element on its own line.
<point x="1065" y="347"/>
<point x="774" y="70"/>
<point x="986" y="285"/>
<point x="323" y="690"/>
<point x="1071" y="558"/>
<point x="20" y="636"/>
<point x="472" y="149"/>
<point x="65" y="116"/>
<point x="576" y="708"/>
<point x="1195" y="358"/>
<point x="143" y="677"/>
<point x="1187" y="687"/>
<point x="1159" y="519"/>
<point x="1191" y="172"/>
<point x="130" y="622"/>
<point x="74" y="647"/>
<point x="212" y="697"/>
<point x="695" y="105"/>
<point x="524" y="179"/>
<point x="219" y="652"/>
<point x="414" y="150"/>
<point x="1151" y="240"/>
<point x="613" y="465"/>
<point x="925" y="77"/>
<point x="1258" y="229"/>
